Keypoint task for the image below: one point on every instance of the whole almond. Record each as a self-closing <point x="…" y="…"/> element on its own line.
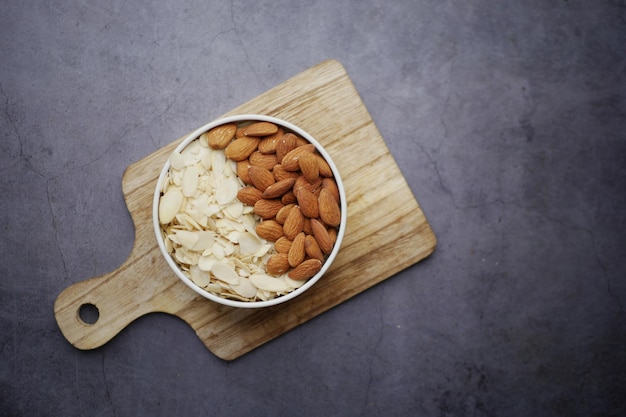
<point x="294" y="223"/>
<point x="301" y="141"/>
<point x="307" y="202"/>
<point x="290" y="161"/>
<point x="268" y="143"/>
<point x="261" y="129"/>
<point x="305" y="270"/>
<point x="312" y="249"/>
<point x="267" y="161"/>
<point x="280" y="173"/>
<point x="285" y="144"/>
<point x="296" y="252"/>
<point x="279" y="188"/>
<point x="309" y="166"/>
<point x="242" y="171"/>
<point x="241" y="132"/>
<point x="281" y="216"/>
<point x="260" y="177"/>
<point x="306" y="226"/>
<point x="332" y="234"/>
<point x="241" y="148"/>
<point x="328" y="208"/>
<point x="269" y="230"/>
<point x="321" y="236"/>
<point x="220" y="136"/>
<point x="282" y="244"/>
<point x="249" y="195"/>
<point x="325" y="170"/>
<point x="277" y="264"/>
<point x="267" y="209"/>
<point x="331" y="186"/>
<point x="302" y="182"/>
<point x="288" y="198"/>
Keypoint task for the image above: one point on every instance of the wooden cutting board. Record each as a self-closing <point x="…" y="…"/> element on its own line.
<point x="386" y="230"/>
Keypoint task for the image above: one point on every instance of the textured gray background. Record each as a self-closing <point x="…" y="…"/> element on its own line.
<point x="507" y="119"/>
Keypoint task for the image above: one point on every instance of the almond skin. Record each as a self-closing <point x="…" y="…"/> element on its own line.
<point x="220" y="136"/>
<point x="331" y="185"/>
<point x="279" y="188"/>
<point x="309" y="166"/>
<point x="308" y="203"/>
<point x="328" y="208"/>
<point x="321" y="236"/>
<point x="278" y="264"/>
<point x="269" y="230"/>
<point x="282" y="244"/>
<point x="260" y="177"/>
<point x="312" y="249"/>
<point x="305" y="270"/>
<point x="261" y="129"/>
<point x="249" y="195"/>
<point x="241" y="148"/>
<point x="241" y="132"/>
<point x="324" y="168"/>
<point x="288" y="198"/>
<point x="281" y="216"/>
<point x="242" y="171"/>
<point x="285" y="144"/>
<point x="267" y="161"/>
<point x="268" y="143"/>
<point x="296" y="252"/>
<point x="267" y="209"/>
<point x="313" y="187"/>
<point x="294" y="223"/>
<point x="280" y="173"/>
<point x="290" y="161"/>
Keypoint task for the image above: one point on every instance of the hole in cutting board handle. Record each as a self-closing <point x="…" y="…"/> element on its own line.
<point x="88" y="313"/>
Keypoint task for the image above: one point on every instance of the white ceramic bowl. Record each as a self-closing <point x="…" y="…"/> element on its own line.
<point x="231" y="302"/>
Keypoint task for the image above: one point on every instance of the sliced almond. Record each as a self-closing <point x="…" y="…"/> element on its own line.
<point x="225" y="272"/>
<point x="267" y="283"/>
<point x="170" y="204"/>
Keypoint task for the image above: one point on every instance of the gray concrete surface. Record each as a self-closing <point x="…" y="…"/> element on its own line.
<point x="508" y="120"/>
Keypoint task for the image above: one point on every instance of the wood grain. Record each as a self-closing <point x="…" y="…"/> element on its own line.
<point x="386" y="230"/>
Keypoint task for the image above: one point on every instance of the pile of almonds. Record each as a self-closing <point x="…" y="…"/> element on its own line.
<point x="249" y="211"/>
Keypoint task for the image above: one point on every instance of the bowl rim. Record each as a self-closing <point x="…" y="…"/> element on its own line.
<point x="249" y="304"/>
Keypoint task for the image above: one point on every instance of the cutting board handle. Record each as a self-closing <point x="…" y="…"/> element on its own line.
<point x="84" y="311"/>
<point x="118" y="297"/>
